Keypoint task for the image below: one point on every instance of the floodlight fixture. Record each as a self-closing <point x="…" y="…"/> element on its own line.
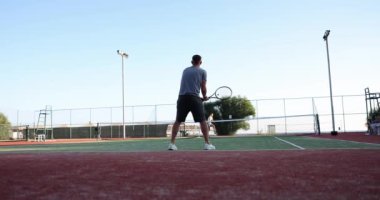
<point x="122" y="53"/>
<point x="327" y="33"/>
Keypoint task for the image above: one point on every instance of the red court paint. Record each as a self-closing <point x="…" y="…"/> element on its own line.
<point x="59" y="141"/>
<point x="292" y="174"/>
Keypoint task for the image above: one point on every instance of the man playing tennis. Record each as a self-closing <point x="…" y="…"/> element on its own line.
<point x="210" y="124"/>
<point x="193" y="81"/>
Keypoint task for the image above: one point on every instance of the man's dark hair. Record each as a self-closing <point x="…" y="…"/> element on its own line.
<point x="197" y="58"/>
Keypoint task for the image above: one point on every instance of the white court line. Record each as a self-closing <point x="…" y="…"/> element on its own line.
<point x="299" y="147"/>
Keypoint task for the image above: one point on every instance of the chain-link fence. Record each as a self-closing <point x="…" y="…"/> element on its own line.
<point x="350" y="115"/>
<point x="349" y="110"/>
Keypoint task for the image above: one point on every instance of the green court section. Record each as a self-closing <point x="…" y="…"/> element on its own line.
<point x="321" y="143"/>
<point x="189" y="144"/>
<point x="101" y="146"/>
<point x="249" y="143"/>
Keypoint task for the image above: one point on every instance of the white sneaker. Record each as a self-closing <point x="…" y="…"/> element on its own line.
<point x="209" y="147"/>
<point x="172" y="147"/>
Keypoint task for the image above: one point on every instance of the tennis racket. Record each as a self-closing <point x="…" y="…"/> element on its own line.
<point x="222" y="93"/>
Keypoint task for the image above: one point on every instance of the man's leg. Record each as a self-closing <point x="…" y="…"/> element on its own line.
<point x="198" y="113"/>
<point x="205" y="129"/>
<point x="175" y="129"/>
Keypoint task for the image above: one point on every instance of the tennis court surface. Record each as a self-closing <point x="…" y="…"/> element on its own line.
<point x="256" y="167"/>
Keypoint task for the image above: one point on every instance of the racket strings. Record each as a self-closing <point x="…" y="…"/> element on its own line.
<point x="223" y="92"/>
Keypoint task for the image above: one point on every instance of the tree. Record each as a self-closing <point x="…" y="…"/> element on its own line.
<point x="237" y="107"/>
<point x="5" y="127"/>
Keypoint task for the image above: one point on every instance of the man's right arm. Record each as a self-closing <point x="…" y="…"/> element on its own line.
<point x="203" y="85"/>
<point x="204" y="90"/>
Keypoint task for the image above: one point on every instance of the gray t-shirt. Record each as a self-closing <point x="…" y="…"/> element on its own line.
<point x="192" y="78"/>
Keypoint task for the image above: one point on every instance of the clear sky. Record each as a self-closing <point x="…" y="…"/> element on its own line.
<point x="63" y="52"/>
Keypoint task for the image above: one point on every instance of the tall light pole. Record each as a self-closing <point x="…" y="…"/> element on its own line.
<point x="123" y="55"/>
<point x="325" y="36"/>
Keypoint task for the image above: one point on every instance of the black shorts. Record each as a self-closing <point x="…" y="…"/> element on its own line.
<point x="189" y="103"/>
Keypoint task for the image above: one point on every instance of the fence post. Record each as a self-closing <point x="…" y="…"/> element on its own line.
<point x="257" y="116"/>
<point x="286" y="128"/>
<point x="343" y="114"/>
<point x="111" y="125"/>
<point x="155" y="118"/>
<point x="90" y="123"/>
<point x="155" y="114"/>
<point x="27" y="133"/>
<point x="51" y="124"/>
<point x="17" y="123"/>
<point x="133" y="120"/>
<point x="71" y="131"/>
<point x="318" y="124"/>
